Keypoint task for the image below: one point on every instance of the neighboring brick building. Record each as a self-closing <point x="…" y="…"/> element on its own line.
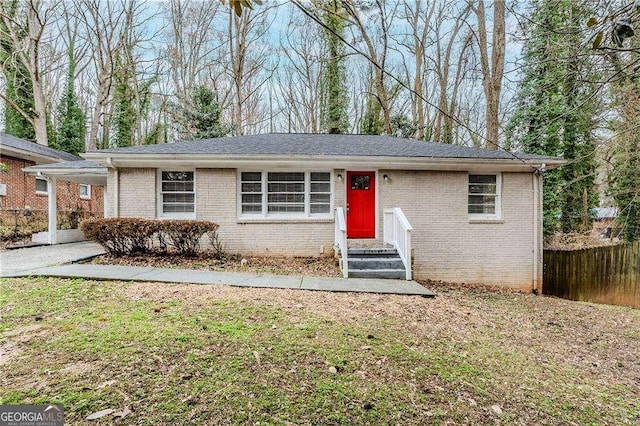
<point x="20" y="190"/>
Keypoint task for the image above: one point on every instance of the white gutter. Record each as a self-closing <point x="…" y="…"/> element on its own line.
<point x="293" y="161"/>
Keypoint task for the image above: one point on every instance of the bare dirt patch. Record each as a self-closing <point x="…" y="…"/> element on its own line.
<point x="324" y="266"/>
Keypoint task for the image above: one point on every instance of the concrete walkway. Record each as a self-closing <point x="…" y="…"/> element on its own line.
<point x="238" y="279"/>
<point x="56" y="261"/>
<point x="18" y="262"/>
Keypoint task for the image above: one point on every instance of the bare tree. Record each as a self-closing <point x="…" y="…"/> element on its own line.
<point x="300" y="75"/>
<point x="27" y="48"/>
<point x="492" y="65"/>
<point x="248" y="66"/>
<point x="376" y="41"/>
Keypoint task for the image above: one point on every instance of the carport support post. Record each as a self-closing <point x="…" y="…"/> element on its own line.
<point x="53" y="211"/>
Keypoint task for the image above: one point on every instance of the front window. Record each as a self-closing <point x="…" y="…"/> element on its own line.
<point x="484" y="196"/>
<point x="285" y="193"/>
<point x="177" y="193"/>
<point x="85" y="191"/>
<point x="41" y="186"/>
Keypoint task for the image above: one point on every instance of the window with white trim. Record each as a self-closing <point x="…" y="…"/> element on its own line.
<point x="42" y="186"/>
<point x="285" y="193"/>
<point x="85" y="191"/>
<point x="484" y="196"/>
<point x="177" y="194"/>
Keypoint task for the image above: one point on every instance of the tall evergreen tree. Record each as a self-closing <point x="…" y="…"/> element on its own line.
<point x="201" y="117"/>
<point x="555" y="110"/>
<point x="18" y="86"/>
<point x="334" y="117"/>
<point x="71" y="131"/>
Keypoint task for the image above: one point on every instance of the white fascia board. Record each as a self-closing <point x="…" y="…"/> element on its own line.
<point x="305" y="162"/>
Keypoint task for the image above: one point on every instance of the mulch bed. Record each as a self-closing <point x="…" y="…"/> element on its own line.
<point x="307" y="266"/>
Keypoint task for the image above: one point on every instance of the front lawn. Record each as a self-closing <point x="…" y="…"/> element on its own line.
<point x="189" y="354"/>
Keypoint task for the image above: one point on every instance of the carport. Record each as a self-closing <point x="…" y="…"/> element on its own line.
<point x="85" y="172"/>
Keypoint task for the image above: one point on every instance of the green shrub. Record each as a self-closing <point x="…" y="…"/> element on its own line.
<point x="126" y="236"/>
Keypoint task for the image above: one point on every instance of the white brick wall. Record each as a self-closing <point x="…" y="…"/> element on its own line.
<point x="137" y="192"/>
<point x="447" y="245"/>
<point x="216" y="201"/>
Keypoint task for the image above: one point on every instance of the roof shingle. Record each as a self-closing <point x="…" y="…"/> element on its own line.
<point x="10" y="141"/>
<point x="276" y="144"/>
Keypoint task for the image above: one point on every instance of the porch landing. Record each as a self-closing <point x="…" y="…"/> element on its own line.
<point x="188" y="276"/>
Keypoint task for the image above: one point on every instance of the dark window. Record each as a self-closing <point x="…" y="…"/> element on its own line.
<point x="359" y="181"/>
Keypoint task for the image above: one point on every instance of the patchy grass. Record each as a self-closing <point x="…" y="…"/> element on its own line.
<point x="179" y="354"/>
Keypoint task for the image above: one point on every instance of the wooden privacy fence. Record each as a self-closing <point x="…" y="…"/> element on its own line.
<point x="602" y="274"/>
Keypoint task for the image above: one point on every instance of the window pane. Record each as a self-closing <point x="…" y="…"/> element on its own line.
<point x="252" y="198"/>
<point x="286" y="198"/>
<point x="177" y="176"/>
<point x="41" y="185"/>
<point x="177" y="186"/>
<point x="482" y="188"/>
<point x="359" y="181"/>
<point x="321" y="177"/>
<point x="252" y="208"/>
<point x="278" y="177"/>
<point x="320" y="198"/>
<point x="252" y="187"/>
<point x="177" y="208"/>
<point x="251" y="176"/>
<point x="286" y="187"/>
<point x="320" y="208"/>
<point x="286" y="208"/>
<point x="320" y="187"/>
<point x="177" y="198"/>
<point x="482" y="179"/>
<point x="482" y="204"/>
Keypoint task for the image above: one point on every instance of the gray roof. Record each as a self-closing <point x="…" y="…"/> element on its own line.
<point x="320" y="145"/>
<point x="72" y="165"/>
<point x="10" y="141"/>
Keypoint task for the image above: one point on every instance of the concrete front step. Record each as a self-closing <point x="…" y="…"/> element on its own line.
<point x="372" y="252"/>
<point x="377" y="273"/>
<point x="376" y="263"/>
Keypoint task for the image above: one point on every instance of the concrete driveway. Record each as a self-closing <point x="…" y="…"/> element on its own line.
<point x="19" y="261"/>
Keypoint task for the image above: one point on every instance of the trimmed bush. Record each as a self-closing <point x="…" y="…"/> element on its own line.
<point x="127" y="236"/>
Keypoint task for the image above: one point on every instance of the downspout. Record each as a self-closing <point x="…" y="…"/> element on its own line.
<point x="536" y="226"/>
<point x="116" y="188"/>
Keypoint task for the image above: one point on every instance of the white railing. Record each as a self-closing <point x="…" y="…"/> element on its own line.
<point x="340" y="239"/>
<point x="397" y="232"/>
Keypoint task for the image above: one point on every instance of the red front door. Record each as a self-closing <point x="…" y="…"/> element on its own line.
<point x="361" y="204"/>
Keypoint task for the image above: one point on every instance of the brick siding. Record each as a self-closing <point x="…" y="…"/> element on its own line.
<point x="447" y="245"/>
<point x="21" y="191"/>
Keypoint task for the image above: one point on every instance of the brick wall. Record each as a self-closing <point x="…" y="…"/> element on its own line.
<point x="447" y="245"/>
<point x="21" y="191"/>
<point x="450" y="247"/>
<point x="137" y="192"/>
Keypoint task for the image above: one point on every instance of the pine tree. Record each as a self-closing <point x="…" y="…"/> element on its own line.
<point x="555" y="111"/>
<point x="335" y="101"/>
<point x="71" y="131"/>
<point x="200" y="117"/>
